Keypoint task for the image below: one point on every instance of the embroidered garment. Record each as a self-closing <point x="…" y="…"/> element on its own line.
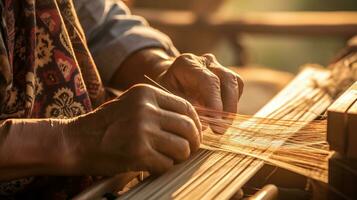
<point x="46" y="70"/>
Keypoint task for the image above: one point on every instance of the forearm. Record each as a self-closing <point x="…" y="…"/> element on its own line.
<point x="151" y="62"/>
<point x="30" y="147"/>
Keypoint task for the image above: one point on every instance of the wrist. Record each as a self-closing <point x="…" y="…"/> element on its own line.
<point x="151" y="62"/>
<point x="160" y="66"/>
<point x="156" y="62"/>
<point x="82" y="144"/>
<point x="66" y="159"/>
<point x="33" y="147"/>
<point x="75" y="144"/>
<point x="57" y="155"/>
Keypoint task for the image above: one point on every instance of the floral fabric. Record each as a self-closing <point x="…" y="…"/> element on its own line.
<point x="46" y="70"/>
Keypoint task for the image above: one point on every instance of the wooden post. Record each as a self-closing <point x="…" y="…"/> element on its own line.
<point x="342" y="137"/>
<point x="342" y="177"/>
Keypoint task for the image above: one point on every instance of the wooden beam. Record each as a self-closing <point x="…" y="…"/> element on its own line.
<point x="342" y="24"/>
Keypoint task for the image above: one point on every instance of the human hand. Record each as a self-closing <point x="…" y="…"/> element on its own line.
<point x="204" y="82"/>
<point x="144" y="129"/>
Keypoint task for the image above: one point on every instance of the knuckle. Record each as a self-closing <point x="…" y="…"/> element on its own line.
<point x="145" y="110"/>
<point x="138" y="87"/>
<point x="181" y="59"/>
<point x="155" y="111"/>
<point x="150" y="109"/>
<point x="210" y="57"/>
<point x="188" y="124"/>
<point x="185" y="58"/>
<point x="231" y="79"/>
<point x="188" y="107"/>
<point x="142" y="90"/>
<point x="211" y="61"/>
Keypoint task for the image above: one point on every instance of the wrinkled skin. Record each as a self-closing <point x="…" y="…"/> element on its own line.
<point x="201" y="80"/>
<point x="204" y="82"/>
<point x="144" y="129"/>
<point x="147" y="128"/>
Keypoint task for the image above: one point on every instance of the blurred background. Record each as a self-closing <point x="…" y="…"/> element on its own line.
<point x="281" y="52"/>
<point x="266" y="41"/>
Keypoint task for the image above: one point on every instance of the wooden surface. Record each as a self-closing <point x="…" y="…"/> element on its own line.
<point x="299" y="23"/>
<point x="342" y="137"/>
<point x="337" y="133"/>
<point x="218" y="175"/>
<point x="352" y="130"/>
<point x="262" y="81"/>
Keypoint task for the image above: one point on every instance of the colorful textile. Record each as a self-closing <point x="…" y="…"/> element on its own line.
<point x="46" y="71"/>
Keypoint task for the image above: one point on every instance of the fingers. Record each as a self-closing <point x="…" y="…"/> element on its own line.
<point x="166" y="124"/>
<point x="176" y="104"/>
<point x="157" y="163"/>
<point x="181" y="126"/>
<point x="211" y="90"/>
<point x="231" y="84"/>
<point x="197" y="82"/>
<point x="229" y="90"/>
<point x="171" y="146"/>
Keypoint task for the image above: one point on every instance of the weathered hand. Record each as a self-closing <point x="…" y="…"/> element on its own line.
<point x="144" y="129"/>
<point x="199" y="79"/>
<point x="205" y="82"/>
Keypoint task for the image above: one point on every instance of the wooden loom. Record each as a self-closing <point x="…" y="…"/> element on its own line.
<point x="218" y="175"/>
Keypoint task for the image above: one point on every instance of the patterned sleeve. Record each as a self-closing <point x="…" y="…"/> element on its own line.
<point x="113" y="33"/>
